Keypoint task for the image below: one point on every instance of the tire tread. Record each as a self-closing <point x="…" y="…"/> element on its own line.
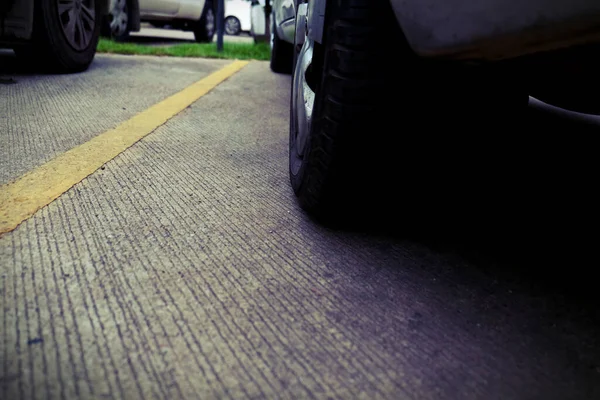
<point x="353" y="82"/>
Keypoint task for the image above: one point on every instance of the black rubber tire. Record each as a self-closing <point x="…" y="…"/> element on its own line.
<point x="49" y="48"/>
<point x="202" y="32"/>
<point x="238" y="23"/>
<point x="282" y="52"/>
<point x="352" y="73"/>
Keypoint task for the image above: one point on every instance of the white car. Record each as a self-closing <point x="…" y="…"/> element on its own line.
<point x="197" y="16"/>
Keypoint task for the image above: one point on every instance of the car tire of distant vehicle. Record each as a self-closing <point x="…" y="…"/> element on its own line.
<point x="117" y="24"/>
<point x="204" y="29"/>
<point x="233" y="26"/>
<point x="282" y="54"/>
<point x="65" y="35"/>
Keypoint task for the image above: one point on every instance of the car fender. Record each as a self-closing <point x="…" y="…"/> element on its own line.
<point x="284" y="13"/>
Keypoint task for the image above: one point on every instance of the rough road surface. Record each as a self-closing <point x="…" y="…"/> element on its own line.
<point x="184" y="268"/>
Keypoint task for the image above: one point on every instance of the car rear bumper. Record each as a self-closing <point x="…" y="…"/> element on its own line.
<point x="494" y="29"/>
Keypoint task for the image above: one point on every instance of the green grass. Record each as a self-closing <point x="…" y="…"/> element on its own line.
<point x="240" y="51"/>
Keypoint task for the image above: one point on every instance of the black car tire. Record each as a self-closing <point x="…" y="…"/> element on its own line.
<point x="282" y="52"/>
<point x="350" y="72"/>
<point x="233" y="26"/>
<point x="50" y="47"/>
<point x="204" y="29"/>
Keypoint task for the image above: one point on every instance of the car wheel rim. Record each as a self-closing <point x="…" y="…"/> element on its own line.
<point x="78" y="22"/>
<point x="232" y="26"/>
<point x="210" y="22"/>
<point x="119" y="17"/>
<point x="303" y="96"/>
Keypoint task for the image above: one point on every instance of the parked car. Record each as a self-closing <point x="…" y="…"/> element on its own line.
<point x="362" y="68"/>
<point x="237" y="16"/>
<point x="197" y="16"/>
<point x="59" y="35"/>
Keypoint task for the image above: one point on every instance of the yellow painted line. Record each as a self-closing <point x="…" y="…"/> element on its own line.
<point x="20" y="199"/>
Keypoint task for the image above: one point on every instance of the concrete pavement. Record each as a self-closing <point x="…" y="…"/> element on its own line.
<point x="184" y="268"/>
<point x="49" y="114"/>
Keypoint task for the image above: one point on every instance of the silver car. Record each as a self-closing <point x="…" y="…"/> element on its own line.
<point x="365" y="70"/>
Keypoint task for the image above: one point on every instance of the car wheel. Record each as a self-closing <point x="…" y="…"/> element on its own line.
<point x="118" y="20"/>
<point x="65" y="35"/>
<point x="282" y="54"/>
<point x="232" y="26"/>
<point x="338" y="102"/>
<point x="205" y="27"/>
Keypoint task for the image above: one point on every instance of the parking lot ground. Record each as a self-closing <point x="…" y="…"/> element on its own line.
<point x="45" y="115"/>
<point x="184" y="267"/>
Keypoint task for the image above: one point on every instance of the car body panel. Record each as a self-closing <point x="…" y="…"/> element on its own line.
<point x="287" y="29"/>
<point x="484" y="29"/>
<point x="495" y="28"/>
<point x="284" y="13"/>
<point x="161" y="7"/>
<point x="171" y="9"/>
